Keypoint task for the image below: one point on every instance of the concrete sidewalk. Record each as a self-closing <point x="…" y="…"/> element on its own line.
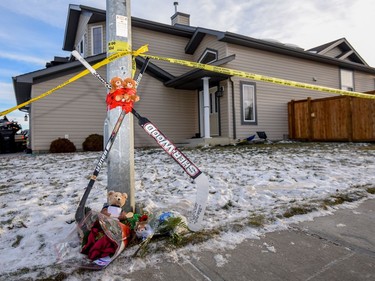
<point x="336" y="247"/>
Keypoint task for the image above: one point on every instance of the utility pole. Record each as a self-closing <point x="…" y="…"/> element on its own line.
<point x="121" y="156"/>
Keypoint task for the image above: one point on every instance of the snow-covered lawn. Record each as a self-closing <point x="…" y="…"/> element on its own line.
<point x="250" y="185"/>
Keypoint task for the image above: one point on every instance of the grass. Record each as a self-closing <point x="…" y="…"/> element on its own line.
<point x="339" y="199"/>
<point x="298" y="210"/>
<point x="164" y="243"/>
<point x="198" y="237"/>
<point x="256" y="220"/>
<point x="260" y="220"/>
<point x="333" y="200"/>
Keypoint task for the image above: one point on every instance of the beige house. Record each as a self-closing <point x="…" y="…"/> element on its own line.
<point x="172" y="95"/>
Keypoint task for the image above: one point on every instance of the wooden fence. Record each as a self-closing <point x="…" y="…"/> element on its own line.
<point x="341" y="118"/>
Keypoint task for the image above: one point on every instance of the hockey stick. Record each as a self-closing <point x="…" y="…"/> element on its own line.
<point x="80" y="213"/>
<point x="91" y="69"/>
<point x="167" y="145"/>
<point x="185" y="163"/>
<point x="100" y="78"/>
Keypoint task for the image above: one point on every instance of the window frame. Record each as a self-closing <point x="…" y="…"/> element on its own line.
<point x="343" y="83"/>
<point x="254" y="121"/>
<point x="92" y="39"/>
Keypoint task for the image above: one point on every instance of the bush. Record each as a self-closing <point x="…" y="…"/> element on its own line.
<point x="93" y="142"/>
<point x="62" y="145"/>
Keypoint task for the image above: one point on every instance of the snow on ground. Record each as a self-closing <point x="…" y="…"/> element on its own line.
<point x="39" y="195"/>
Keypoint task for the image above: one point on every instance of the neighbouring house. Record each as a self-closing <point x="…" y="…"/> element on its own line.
<point x="172" y="95"/>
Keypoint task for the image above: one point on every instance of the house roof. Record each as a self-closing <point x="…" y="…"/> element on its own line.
<point x="72" y="21"/>
<point x="297" y="52"/>
<point x="192" y="80"/>
<point x="198" y="36"/>
<point x="346" y="51"/>
<point x="100" y="16"/>
<point x="348" y="58"/>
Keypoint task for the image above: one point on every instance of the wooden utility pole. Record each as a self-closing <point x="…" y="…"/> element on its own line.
<point x="121" y="156"/>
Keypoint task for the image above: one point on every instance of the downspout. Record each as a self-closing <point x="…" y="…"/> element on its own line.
<point x="233" y="111"/>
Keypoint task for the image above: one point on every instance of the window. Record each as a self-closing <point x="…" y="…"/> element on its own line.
<point x="248" y="104"/>
<point x="81" y="46"/>
<point x="97" y="40"/>
<point x="213" y="103"/>
<point x="208" y="56"/>
<point x="347" y="81"/>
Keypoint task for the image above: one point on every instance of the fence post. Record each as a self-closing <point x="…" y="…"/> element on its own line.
<point x="350" y="118"/>
<point x="291" y="120"/>
<point x="309" y="120"/>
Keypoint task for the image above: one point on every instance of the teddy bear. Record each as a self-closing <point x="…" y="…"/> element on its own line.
<point x="116" y="89"/>
<point x="123" y="93"/>
<point x="113" y="207"/>
<point x="116" y="83"/>
<point x="128" y="92"/>
<point x="130" y="87"/>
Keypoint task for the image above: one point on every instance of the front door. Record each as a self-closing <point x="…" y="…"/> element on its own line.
<point x="214" y="113"/>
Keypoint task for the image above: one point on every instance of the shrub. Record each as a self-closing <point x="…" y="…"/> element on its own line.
<point x="93" y="142"/>
<point x="62" y="145"/>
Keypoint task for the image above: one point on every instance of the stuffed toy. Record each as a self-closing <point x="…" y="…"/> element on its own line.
<point x="116" y="83"/>
<point x="115" y="202"/>
<point x="143" y="230"/>
<point x="123" y="93"/>
<point x="98" y="244"/>
<point x="130" y="89"/>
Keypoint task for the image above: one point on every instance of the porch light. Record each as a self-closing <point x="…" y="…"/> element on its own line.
<point x="220" y="92"/>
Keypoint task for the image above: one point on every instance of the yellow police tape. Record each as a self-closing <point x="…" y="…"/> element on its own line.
<point x="122" y="49"/>
<point x="120" y="46"/>
<point x="231" y="72"/>
<point x="107" y="60"/>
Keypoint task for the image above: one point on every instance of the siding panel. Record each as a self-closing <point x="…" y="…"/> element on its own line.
<point x="82" y="103"/>
<point x="175" y="112"/>
<point x="272" y="99"/>
<point x="164" y="45"/>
